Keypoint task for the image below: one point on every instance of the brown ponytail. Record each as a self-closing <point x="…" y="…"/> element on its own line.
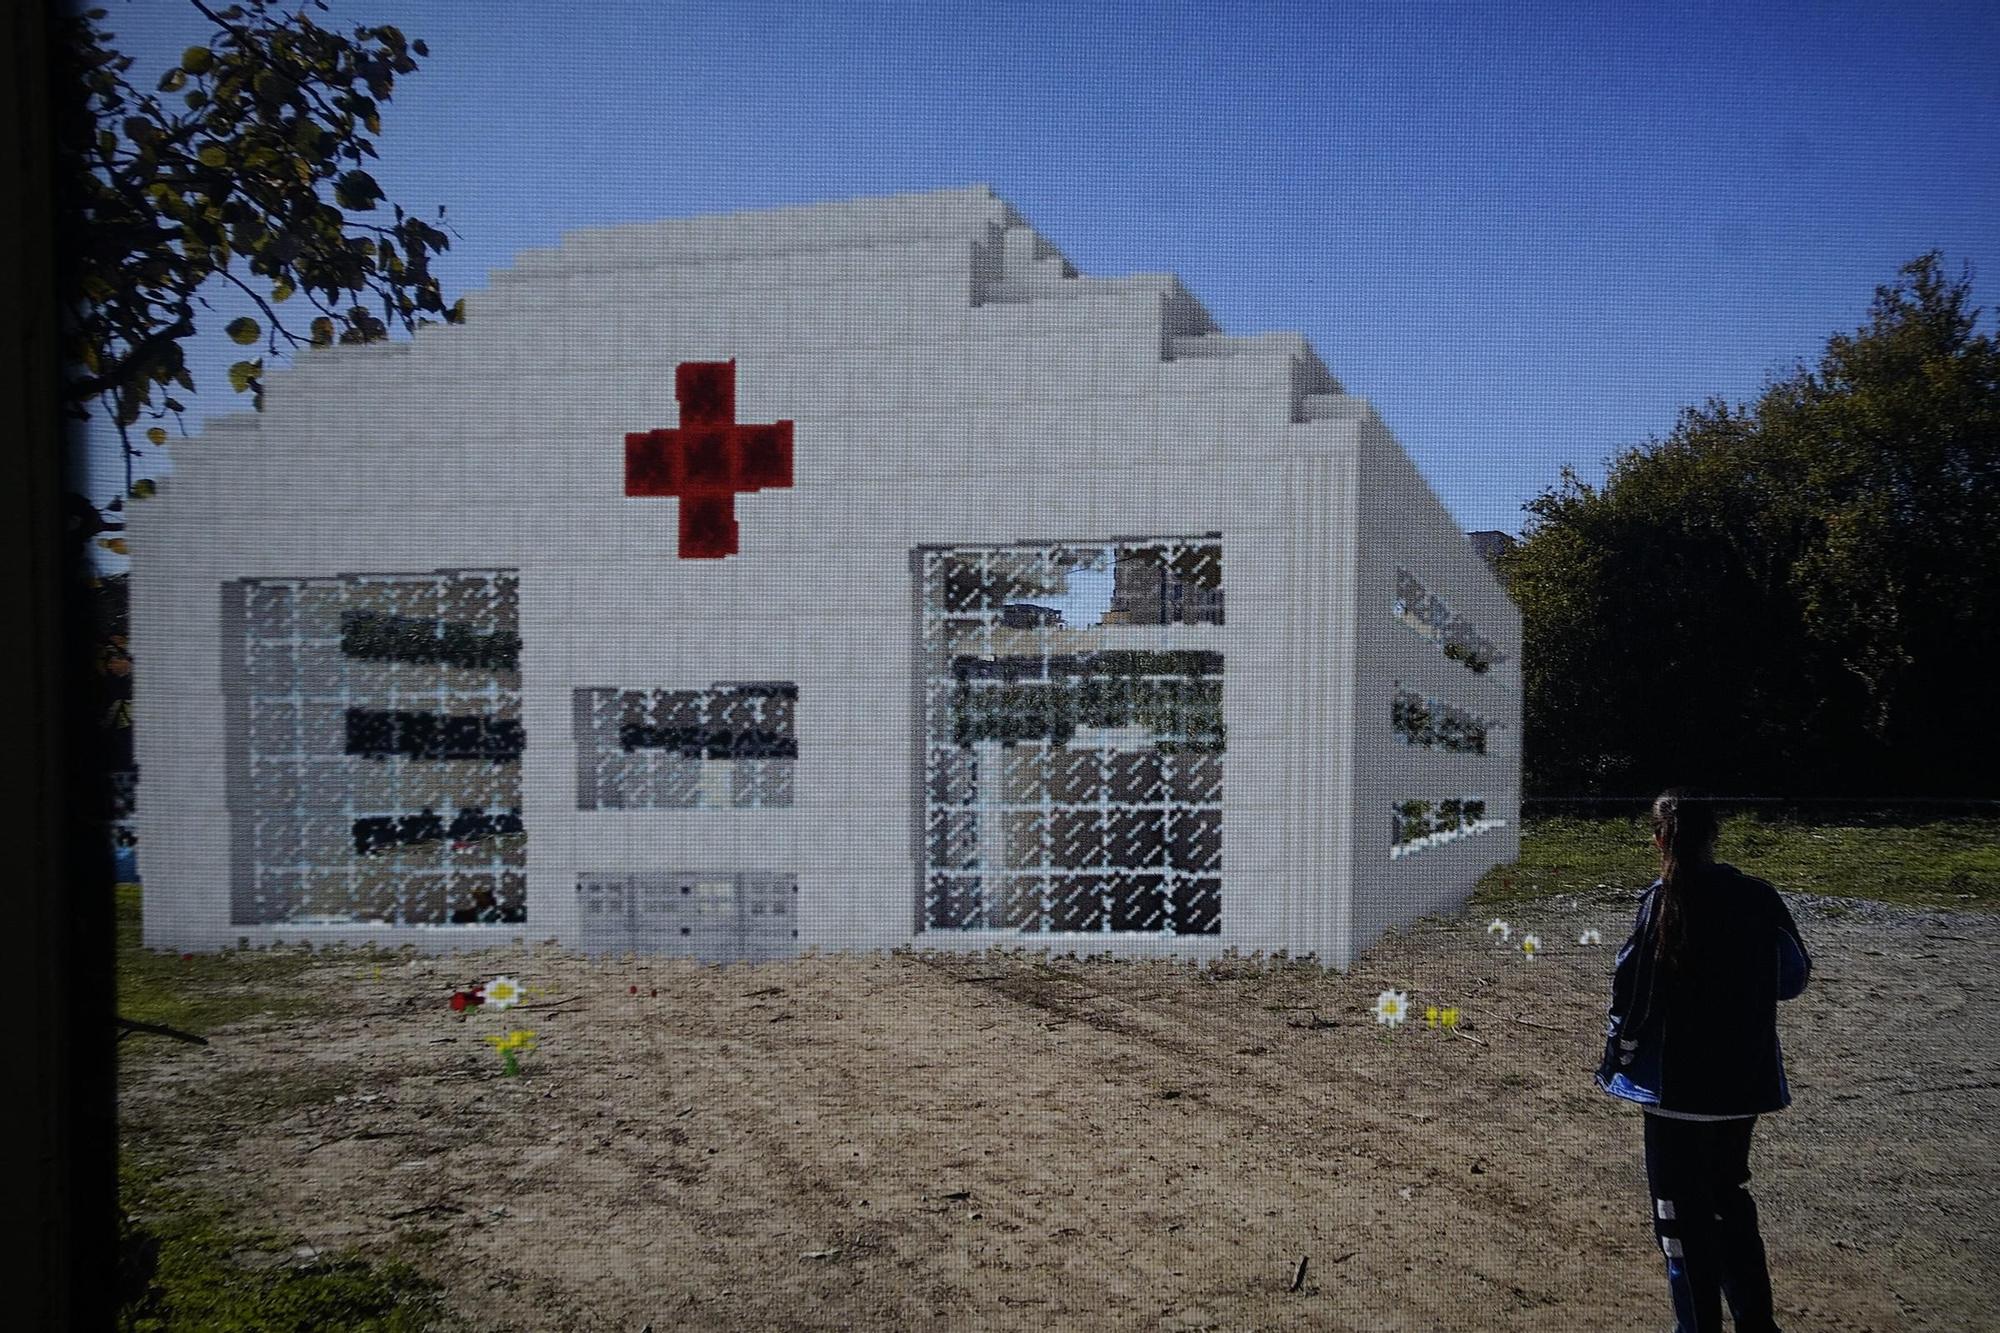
<point x="1685" y="825"/>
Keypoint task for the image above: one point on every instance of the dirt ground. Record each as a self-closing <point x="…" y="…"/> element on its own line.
<point x="924" y="1142"/>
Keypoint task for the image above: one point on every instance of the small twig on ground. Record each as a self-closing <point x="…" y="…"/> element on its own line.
<point x="128" y="1026"/>
<point x="1311" y="1024"/>
<point x="357" y="1134"/>
<point x="1298" y="1274"/>
<point x="1531" y="1023"/>
<point x="436" y="1206"/>
<point x="551" y="1004"/>
<point x="1469" y="1037"/>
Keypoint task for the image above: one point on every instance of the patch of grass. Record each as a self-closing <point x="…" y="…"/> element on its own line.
<point x="1943" y="863"/>
<point x="205" y="991"/>
<point x="183" y="1265"/>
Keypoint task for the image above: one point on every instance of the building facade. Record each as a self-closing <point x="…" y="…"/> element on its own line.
<point x="838" y="577"/>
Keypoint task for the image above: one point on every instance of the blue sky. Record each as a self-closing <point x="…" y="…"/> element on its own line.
<point x="1528" y="233"/>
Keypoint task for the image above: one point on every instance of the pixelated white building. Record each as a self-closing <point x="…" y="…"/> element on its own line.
<point x="838" y="577"/>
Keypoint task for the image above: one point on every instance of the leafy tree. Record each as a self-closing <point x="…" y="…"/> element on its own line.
<point x="1797" y="595"/>
<point x="1894" y="464"/>
<point x="244" y="165"/>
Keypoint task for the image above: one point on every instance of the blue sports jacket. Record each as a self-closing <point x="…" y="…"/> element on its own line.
<point x="1705" y="1041"/>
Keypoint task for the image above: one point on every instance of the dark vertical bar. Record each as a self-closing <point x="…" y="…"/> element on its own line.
<point x="236" y="788"/>
<point x="920" y="726"/>
<point x="58" y="1125"/>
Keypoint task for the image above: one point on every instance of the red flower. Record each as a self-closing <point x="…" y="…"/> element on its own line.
<point x="631" y="990"/>
<point x="656" y="992"/>
<point x="459" y="999"/>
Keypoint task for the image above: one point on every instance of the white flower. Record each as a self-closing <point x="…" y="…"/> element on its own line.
<point x="502" y="992"/>
<point x="1390" y="1007"/>
<point x="1500" y="928"/>
<point x="1529" y="944"/>
<point x="1590" y="937"/>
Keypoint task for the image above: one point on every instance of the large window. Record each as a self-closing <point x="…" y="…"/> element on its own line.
<point x="1073" y="741"/>
<point x="374" y="749"/>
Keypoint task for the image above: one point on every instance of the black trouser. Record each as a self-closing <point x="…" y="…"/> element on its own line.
<point x="1706" y="1222"/>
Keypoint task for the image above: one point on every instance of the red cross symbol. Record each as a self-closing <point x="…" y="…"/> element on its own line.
<point x="709" y="460"/>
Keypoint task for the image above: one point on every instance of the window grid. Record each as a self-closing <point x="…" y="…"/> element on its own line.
<point x="338" y="834"/>
<point x="730" y="746"/>
<point x="1418" y="825"/>
<point x="1426" y="615"/>
<point x="1086" y="827"/>
<point x="1433" y="723"/>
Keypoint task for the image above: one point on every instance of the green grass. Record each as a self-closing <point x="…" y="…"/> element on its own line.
<point x="184" y="1265"/>
<point x="186" y="1262"/>
<point x="205" y="991"/>
<point x="1944" y="863"/>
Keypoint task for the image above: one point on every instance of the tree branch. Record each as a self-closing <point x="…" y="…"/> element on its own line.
<point x="128" y="368"/>
<point x="265" y="306"/>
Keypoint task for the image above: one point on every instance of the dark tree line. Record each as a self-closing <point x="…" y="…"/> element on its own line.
<point x="1796" y="596"/>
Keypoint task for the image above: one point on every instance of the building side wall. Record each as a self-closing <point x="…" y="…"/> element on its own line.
<point x="1405" y="526"/>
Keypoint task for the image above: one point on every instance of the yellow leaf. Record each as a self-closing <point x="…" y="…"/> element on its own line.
<point x="116" y="545"/>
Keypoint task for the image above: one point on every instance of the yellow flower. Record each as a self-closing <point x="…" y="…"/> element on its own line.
<point x="1529" y="944"/>
<point x="1431" y="1015"/>
<point x="517" y="1040"/>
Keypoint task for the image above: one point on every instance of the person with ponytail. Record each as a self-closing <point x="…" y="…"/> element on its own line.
<point x="1693" y="1039"/>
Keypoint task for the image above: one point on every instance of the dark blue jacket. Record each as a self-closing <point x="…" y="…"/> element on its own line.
<point x="1705" y="1040"/>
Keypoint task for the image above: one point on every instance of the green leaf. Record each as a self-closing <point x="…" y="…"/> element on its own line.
<point x="243" y="375"/>
<point x="322" y="331"/>
<point x="356" y="190"/>
<point x="197" y="59"/>
<point x="144" y="489"/>
<point x="213" y="155"/>
<point x="243" y="331"/>
<point x="281" y="290"/>
<point x="156" y="436"/>
<point x="173" y="80"/>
